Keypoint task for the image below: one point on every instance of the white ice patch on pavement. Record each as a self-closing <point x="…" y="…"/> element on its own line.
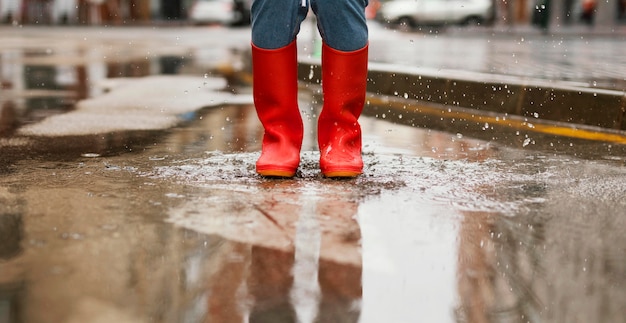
<point x="148" y="103"/>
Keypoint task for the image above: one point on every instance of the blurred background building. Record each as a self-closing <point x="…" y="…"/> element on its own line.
<point x="92" y="11"/>
<point x="543" y="13"/>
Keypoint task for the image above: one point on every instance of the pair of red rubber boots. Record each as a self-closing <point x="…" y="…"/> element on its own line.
<point x="275" y="91"/>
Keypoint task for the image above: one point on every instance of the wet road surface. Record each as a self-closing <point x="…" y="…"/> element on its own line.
<point x="161" y="218"/>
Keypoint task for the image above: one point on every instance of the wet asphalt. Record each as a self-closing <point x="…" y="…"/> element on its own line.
<point x="128" y="194"/>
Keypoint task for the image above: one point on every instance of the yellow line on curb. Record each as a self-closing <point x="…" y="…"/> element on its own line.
<point x="507" y="121"/>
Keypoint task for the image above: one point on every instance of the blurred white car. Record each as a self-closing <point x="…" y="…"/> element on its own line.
<point x="412" y="13"/>
<point x="226" y="12"/>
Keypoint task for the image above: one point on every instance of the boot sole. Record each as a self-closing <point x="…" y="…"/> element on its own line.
<point x="276" y="173"/>
<point x="342" y="174"/>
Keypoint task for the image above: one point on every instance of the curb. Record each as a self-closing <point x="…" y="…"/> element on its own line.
<point x="560" y="101"/>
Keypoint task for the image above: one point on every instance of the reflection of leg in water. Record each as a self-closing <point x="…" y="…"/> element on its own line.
<point x="269" y="283"/>
<point x="341" y="293"/>
<point x="225" y="302"/>
<point x="475" y="267"/>
<point x="340" y="265"/>
<point x="11" y="285"/>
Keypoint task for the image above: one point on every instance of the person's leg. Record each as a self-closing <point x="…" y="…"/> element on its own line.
<point x="275" y="24"/>
<point x="342" y="24"/>
<point x="343" y="28"/>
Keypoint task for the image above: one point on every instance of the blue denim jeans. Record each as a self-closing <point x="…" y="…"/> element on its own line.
<point x="341" y="23"/>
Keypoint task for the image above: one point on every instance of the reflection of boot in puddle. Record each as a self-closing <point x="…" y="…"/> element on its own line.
<point x="10" y="235"/>
<point x="11" y="285"/>
<point x="341" y="293"/>
<point x="340" y="266"/>
<point x="8" y="119"/>
<point x="225" y="302"/>
<point x="269" y="284"/>
<point x="475" y="267"/>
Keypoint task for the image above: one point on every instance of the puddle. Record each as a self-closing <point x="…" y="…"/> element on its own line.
<point x="413" y="236"/>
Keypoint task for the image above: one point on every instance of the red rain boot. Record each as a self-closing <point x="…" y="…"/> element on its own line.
<point x="275" y="91"/>
<point x="344" y="82"/>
